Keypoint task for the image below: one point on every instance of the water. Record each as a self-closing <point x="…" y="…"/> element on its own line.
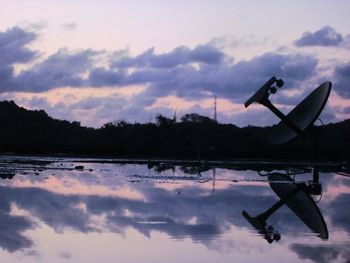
<point x="93" y="210"/>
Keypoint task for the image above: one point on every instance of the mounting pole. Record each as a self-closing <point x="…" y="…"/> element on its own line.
<point x="264" y="216"/>
<point x="267" y="103"/>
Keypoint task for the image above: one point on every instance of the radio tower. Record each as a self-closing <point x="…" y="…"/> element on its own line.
<point x="215" y="116"/>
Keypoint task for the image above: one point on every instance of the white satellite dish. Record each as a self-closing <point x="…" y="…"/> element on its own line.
<point x="300" y="118"/>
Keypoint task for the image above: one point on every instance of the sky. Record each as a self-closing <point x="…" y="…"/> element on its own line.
<point x="102" y="61"/>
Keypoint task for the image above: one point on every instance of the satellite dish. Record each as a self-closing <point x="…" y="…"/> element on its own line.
<point x="300" y="118"/>
<point x="301" y="203"/>
<point x="264" y="92"/>
<point x="297" y="196"/>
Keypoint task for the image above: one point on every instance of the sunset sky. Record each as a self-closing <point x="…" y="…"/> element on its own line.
<point x="100" y="61"/>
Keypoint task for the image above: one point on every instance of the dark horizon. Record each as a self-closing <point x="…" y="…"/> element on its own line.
<point x="194" y="137"/>
<point x="319" y="122"/>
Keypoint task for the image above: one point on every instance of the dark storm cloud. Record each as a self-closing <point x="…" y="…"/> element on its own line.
<point x="103" y="77"/>
<point x="192" y="74"/>
<point x="247" y="76"/>
<point x="176" y="229"/>
<point x="13" y="49"/>
<point x="11" y="226"/>
<point x="188" y="73"/>
<point x="58" y="70"/>
<point x="56" y="210"/>
<point x="290" y="100"/>
<point x="213" y="212"/>
<point x="164" y="211"/>
<point x="326" y="36"/>
<point x="11" y="232"/>
<point x="169" y="213"/>
<point x="61" y="69"/>
<point x="339" y="212"/>
<point x="163" y="72"/>
<point x="342" y="80"/>
<point x="13" y="46"/>
<point x="346" y="110"/>
<point x="6" y="77"/>
<point x="205" y="54"/>
<point x="224" y="79"/>
<point x="320" y="254"/>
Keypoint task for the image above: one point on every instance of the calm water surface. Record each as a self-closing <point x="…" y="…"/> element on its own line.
<point x="70" y="210"/>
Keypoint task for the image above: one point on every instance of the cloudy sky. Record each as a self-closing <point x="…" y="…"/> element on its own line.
<point x="99" y="61"/>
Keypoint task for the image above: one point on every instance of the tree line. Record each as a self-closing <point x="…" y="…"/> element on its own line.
<point x="192" y="137"/>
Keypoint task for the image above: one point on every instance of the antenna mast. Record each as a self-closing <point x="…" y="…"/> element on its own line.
<point x="215" y="116"/>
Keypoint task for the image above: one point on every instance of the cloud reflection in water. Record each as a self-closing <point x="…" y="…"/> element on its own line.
<point x="189" y="210"/>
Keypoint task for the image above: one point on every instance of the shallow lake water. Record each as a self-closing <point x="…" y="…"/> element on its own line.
<point x="102" y="210"/>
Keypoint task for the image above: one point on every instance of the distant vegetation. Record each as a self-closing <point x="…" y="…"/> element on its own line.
<point x="192" y="137"/>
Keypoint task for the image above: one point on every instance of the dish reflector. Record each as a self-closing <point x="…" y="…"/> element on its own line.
<point x="303" y="115"/>
<point x="302" y="204"/>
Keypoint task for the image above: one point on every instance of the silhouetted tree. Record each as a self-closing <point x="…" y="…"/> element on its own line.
<point x="196" y="136"/>
<point x="163" y="121"/>
<point x="196" y="118"/>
